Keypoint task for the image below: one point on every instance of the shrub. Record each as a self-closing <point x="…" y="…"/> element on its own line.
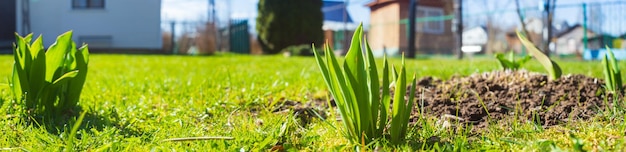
<point x="302" y="50"/>
<point x="510" y="62"/>
<point x="282" y="23"/>
<point x="365" y="112"/>
<point x="48" y="82"/>
<point x="205" y="39"/>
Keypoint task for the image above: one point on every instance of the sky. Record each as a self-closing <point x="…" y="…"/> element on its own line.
<point x="605" y="18"/>
<point x="197" y="10"/>
<point x="182" y="10"/>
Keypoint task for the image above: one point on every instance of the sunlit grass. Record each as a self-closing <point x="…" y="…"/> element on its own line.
<point x="134" y="102"/>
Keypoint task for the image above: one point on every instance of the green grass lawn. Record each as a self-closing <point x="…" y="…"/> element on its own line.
<point x="134" y="102"/>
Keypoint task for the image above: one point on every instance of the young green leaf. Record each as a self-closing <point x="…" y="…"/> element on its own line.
<point x="617" y="74"/>
<point x="612" y="74"/>
<point x="356" y="90"/>
<point x="38" y="66"/>
<point x="75" y="86"/>
<point x="506" y="64"/>
<point x="56" y="56"/>
<point x="386" y="97"/>
<point x="48" y="83"/>
<point x="554" y="71"/>
<point x="65" y="77"/>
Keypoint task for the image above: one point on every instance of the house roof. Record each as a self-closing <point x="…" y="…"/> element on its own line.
<point x="333" y="17"/>
<point x="570" y="29"/>
<point x="379" y="2"/>
<point x="602" y="37"/>
<point x="334" y="11"/>
<point x="475" y="27"/>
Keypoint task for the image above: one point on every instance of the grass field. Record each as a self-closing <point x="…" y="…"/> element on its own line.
<point x="134" y="102"/>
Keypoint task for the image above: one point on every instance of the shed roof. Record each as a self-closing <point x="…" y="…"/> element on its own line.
<point x="334" y="11"/>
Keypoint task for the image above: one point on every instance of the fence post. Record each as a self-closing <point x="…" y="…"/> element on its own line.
<point x="459" y="28"/>
<point x="585" y="38"/>
<point x="173" y="29"/>
<point x="411" y="30"/>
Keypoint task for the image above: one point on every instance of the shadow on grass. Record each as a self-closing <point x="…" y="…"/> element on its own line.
<point x="91" y="122"/>
<point x="432" y="143"/>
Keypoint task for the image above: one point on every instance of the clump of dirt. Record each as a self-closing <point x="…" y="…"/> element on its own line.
<point x="304" y="112"/>
<point x="486" y="97"/>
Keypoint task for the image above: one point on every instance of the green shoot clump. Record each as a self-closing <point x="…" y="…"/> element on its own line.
<point x="510" y="62"/>
<point x="554" y="71"/>
<point x="612" y="74"/>
<point x="50" y="82"/>
<point x="365" y="112"/>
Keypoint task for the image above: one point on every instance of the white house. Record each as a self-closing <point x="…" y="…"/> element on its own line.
<point x="107" y="24"/>
<point x="570" y="41"/>
<point x="474" y="39"/>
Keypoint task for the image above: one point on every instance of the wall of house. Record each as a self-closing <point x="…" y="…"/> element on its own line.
<point x="329" y="39"/>
<point x="130" y="24"/>
<point x="8" y="21"/>
<point x="442" y="43"/>
<point x="571" y="42"/>
<point x="384" y="33"/>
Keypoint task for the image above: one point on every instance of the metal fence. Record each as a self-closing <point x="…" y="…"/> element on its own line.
<point x="437" y="30"/>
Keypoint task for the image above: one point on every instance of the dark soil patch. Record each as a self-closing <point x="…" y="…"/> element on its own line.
<point x="480" y="99"/>
<point x="303" y="112"/>
<point x="488" y="97"/>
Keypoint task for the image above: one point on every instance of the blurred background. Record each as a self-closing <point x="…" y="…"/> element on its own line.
<point x="574" y="28"/>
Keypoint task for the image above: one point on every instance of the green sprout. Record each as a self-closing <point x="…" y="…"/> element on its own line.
<point x="510" y="62"/>
<point x="612" y="74"/>
<point x="365" y="112"/>
<point x="554" y="71"/>
<point x="48" y="82"/>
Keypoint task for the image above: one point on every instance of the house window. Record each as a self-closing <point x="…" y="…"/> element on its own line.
<point x="88" y="4"/>
<point x="429" y="21"/>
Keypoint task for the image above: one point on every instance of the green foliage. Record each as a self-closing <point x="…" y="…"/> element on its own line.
<point x="612" y="74"/>
<point x="578" y="143"/>
<point x="302" y="50"/>
<point x="136" y="108"/>
<point x="283" y="23"/>
<point x="510" y="62"/>
<point x="48" y="82"/>
<point x="356" y="89"/>
<point x="554" y="71"/>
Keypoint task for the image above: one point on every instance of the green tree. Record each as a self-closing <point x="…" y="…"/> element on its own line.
<point x="284" y="23"/>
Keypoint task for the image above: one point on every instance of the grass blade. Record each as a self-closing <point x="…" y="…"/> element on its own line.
<point x="197" y="138"/>
<point x="70" y="142"/>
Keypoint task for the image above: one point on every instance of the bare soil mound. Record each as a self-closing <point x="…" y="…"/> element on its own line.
<point x="487" y="97"/>
<point x="496" y="96"/>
